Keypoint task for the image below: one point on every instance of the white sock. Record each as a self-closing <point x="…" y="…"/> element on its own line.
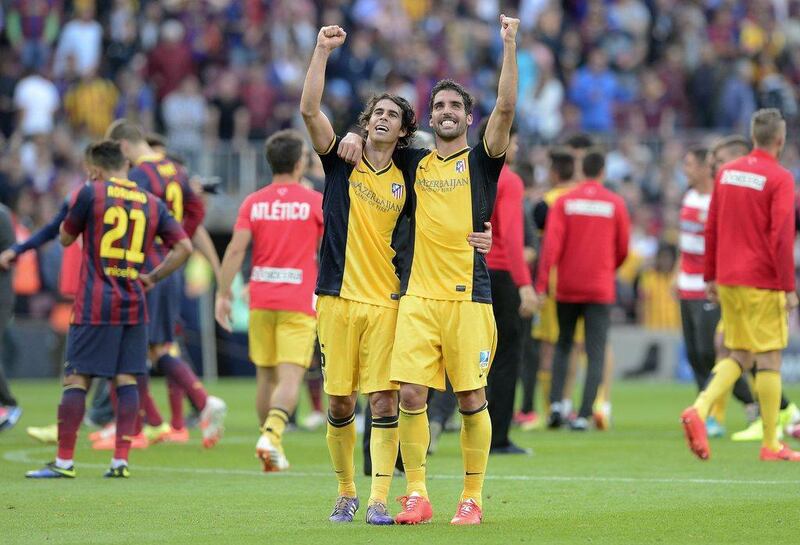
<point x="63" y="464"/>
<point x="566" y="406"/>
<point x="116" y="462"/>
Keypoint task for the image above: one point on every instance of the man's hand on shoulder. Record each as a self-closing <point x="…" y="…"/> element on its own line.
<point x="350" y="148"/>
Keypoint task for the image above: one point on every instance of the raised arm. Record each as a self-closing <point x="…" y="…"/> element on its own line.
<point x="498" y="129"/>
<point x="318" y="125"/>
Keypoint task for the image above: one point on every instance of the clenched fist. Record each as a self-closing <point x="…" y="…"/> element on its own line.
<point x="331" y="37"/>
<point x="508" y="28"/>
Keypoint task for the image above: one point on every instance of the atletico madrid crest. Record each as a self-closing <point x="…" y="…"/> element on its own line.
<point x="461" y="166"/>
<point x="397" y="190"/>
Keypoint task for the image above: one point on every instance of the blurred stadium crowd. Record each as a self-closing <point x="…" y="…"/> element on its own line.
<point x="648" y="77"/>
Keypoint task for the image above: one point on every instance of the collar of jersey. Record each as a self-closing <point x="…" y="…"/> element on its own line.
<point x="373" y="169"/>
<point x="149" y="158"/>
<point x="452" y="155"/>
<point x="122" y="182"/>
<point x="763" y="154"/>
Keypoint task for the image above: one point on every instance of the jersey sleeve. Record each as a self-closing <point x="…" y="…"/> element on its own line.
<point x="710" y="261"/>
<point x="330" y="160"/>
<point x="243" y="218"/>
<point x="194" y="211"/>
<point x="168" y="229"/>
<point x="46" y="233"/>
<point x="781" y="233"/>
<point x="491" y="166"/>
<point x="540" y="214"/>
<point x="79" y="210"/>
<point x="552" y="246"/>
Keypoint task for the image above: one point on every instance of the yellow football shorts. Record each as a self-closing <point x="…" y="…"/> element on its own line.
<point x="434" y="337"/>
<point x="280" y="336"/>
<point x="754" y="319"/>
<point x="355" y="341"/>
<point x="545" y="325"/>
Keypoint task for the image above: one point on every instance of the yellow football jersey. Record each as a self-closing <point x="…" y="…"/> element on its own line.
<point x="453" y="196"/>
<point x="361" y="208"/>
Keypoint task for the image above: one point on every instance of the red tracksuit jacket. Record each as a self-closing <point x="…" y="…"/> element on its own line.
<point x="750" y="229"/>
<point x="586" y="239"/>
<point x="508" y="239"/>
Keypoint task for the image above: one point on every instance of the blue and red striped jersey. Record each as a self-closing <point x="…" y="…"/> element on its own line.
<point x="119" y="223"/>
<point x="169" y="182"/>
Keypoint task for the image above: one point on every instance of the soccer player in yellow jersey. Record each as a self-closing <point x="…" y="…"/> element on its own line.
<point x="445" y="322"/>
<point x="358" y="284"/>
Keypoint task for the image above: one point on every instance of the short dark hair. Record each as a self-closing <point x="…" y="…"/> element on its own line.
<point x="562" y="162"/>
<point x="448" y="84"/>
<point x="122" y="129"/>
<point x="106" y="154"/>
<point x="700" y="153"/>
<point x="593" y="163"/>
<point x="284" y="150"/>
<point x="580" y="140"/>
<point x="408" y="117"/>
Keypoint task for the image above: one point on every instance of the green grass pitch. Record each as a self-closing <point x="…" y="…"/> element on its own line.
<point x="636" y="484"/>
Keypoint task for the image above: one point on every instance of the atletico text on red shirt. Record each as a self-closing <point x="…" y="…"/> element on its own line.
<point x="285" y="222"/>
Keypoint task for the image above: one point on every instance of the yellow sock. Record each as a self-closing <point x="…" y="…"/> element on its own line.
<point x="768" y="387"/>
<point x="725" y="373"/>
<point x="341" y="442"/>
<point x="415" y="436"/>
<point x="476" y="437"/>
<point x="720" y="407"/>
<point x="545" y="380"/>
<point x="275" y="424"/>
<point x="383" y="450"/>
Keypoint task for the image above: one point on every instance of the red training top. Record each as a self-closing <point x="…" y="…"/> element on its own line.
<point x="750" y="230"/>
<point x="508" y="239"/>
<point x="586" y="238"/>
<point x="285" y="221"/>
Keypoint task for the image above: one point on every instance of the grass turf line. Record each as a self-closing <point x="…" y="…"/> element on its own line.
<point x="635" y="484"/>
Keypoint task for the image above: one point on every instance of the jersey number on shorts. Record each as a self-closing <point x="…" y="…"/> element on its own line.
<point x="121" y="220"/>
<point x="174" y="198"/>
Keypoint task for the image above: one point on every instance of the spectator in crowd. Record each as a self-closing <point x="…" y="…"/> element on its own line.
<point x="81" y="39"/>
<point x="37" y="99"/>
<point x="596" y="90"/>
<point x="136" y="100"/>
<point x="90" y="105"/>
<point x="229" y="118"/>
<point x="169" y="62"/>
<point x="185" y="116"/>
<point x="32" y="27"/>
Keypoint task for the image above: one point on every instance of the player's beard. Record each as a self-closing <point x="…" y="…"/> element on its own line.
<point x="449" y="135"/>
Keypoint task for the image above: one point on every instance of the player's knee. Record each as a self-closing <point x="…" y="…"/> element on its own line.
<point x="341" y="406"/>
<point x="124" y="380"/>
<point x="412" y="397"/>
<point x="158" y="350"/>
<point x="472" y="400"/>
<point x="383" y="403"/>
<point x="76" y="381"/>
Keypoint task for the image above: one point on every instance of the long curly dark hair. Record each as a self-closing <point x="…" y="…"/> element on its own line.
<point x="408" y="122"/>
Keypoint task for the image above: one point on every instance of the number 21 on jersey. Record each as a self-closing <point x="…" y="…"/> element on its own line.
<point x="122" y="220"/>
